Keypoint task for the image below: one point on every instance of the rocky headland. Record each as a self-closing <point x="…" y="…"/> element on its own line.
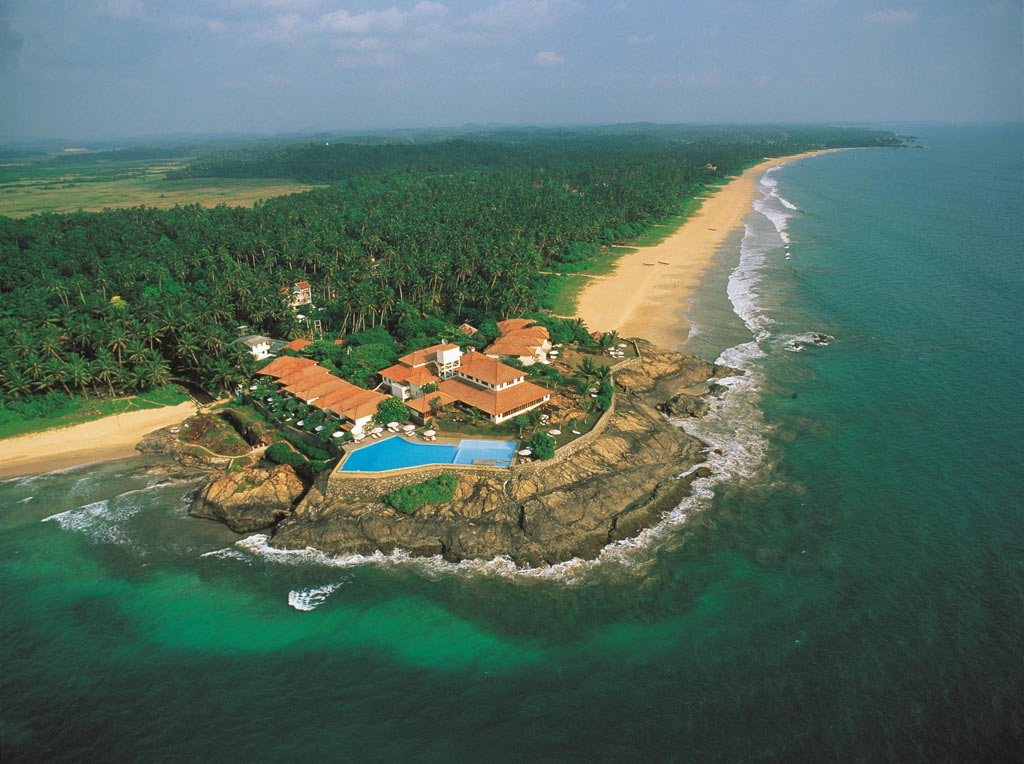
<point x="610" y="485"/>
<point x="249" y="500"/>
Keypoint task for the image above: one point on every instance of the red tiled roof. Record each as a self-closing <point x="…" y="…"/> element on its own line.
<point x="297" y="345"/>
<point x="422" y="404"/>
<point x="418" y="375"/>
<point x="518" y="342"/>
<point x="494" y="401"/>
<point x="313" y="387"/>
<point x="301" y="374"/>
<point x="420" y="357"/>
<point x="350" y="401"/>
<point x="312" y="383"/>
<point x="302" y="284"/>
<point x="479" y="366"/>
<point x="285" y="365"/>
<point x="509" y="349"/>
<point x="359" y="406"/>
<point x="510" y="325"/>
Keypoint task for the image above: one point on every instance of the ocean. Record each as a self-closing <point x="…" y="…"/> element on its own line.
<point x="847" y="587"/>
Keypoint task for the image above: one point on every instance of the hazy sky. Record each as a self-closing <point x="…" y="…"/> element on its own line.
<point x="103" y="68"/>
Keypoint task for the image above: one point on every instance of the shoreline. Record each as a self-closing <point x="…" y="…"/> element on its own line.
<point x="649" y="292"/>
<point x="101" y="440"/>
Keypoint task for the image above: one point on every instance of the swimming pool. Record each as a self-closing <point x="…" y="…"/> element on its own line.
<point x="397" y="453"/>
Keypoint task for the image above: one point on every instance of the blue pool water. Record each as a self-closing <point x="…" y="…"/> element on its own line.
<point x="396" y="453"/>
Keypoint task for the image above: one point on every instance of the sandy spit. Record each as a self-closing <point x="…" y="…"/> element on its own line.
<point x="113" y="437"/>
<point x="649" y="292"/>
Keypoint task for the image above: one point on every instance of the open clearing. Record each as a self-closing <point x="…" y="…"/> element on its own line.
<point x="27" y="189"/>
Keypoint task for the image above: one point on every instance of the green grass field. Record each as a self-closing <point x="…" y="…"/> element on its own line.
<point x="87" y="409"/>
<point x="26" y="189"/>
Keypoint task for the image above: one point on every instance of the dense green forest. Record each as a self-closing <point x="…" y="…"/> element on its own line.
<point x="452" y="230"/>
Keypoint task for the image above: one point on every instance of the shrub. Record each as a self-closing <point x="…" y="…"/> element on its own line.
<point x="543" y="445"/>
<point x="391" y="410"/>
<point x="280" y="453"/>
<point x="311" y="451"/>
<point x="437" y="490"/>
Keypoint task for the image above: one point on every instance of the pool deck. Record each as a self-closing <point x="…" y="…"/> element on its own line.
<point x="438" y="441"/>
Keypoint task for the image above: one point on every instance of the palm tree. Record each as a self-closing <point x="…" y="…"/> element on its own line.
<point x="16" y="384"/>
<point x="224" y="376"/>
<point x="151" y="334"/>
<point x="188" y="344"/>
<point x="56" y="371"/>
<point x="22" y="345"/>
<point x="588" y="369"/>
<point x="79" y="372"/>
<point x="118" y="340"/>
<point x="106" y="369"/>
<point x="156" y="373"/>
<point x="50" y="344"/>
<point x="136" y="352"/>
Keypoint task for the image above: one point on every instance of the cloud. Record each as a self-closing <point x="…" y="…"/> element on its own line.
<point x="362" y="23"/>
<point x="890" y="17"/>
<point x="548" y="58"/>
<point x="123" y="9"/>
<point x="523" y="14"/>
<point x="636" y="39"/>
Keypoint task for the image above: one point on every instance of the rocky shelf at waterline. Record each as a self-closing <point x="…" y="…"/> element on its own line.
<point x="622" y="480"/>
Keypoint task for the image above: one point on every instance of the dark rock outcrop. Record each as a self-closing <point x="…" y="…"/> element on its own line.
<point x="684" y="405"/>
<point x="618" y="483"/>
<point x="249" y="500"/>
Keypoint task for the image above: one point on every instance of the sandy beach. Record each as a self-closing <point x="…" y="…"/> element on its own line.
<point x="649" y="292"/>
<point x="113" y="437"/>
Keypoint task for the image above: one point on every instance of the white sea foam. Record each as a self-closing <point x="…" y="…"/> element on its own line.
<point x="796" y="343"/>
<point x="228" y="554"/>
<point x="311" y="599"/>
<point x="99" y="520"/>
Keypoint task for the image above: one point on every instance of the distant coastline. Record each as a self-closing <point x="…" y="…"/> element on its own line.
<point x="650" y="289"/>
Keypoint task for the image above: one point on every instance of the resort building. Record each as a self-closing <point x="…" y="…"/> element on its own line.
<point x="312" y="384"/>
<point x="258" y="345"/>
<point x="494" y="388"/>
<point x="472" y="379"/>
<point x="421" y="367"/>
<point x="301" y="293"/>
<point x="528" y="344"/>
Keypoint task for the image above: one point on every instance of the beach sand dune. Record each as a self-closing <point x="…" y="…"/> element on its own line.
<point x="113" y="437"/>
<point x="649" y="292"/>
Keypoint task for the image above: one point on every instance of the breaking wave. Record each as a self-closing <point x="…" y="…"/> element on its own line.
<point x="311" y="599"/>
<point x="99" y="520"/>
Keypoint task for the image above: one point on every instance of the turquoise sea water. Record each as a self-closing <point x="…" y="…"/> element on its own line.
<point x="849" y="587"/>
